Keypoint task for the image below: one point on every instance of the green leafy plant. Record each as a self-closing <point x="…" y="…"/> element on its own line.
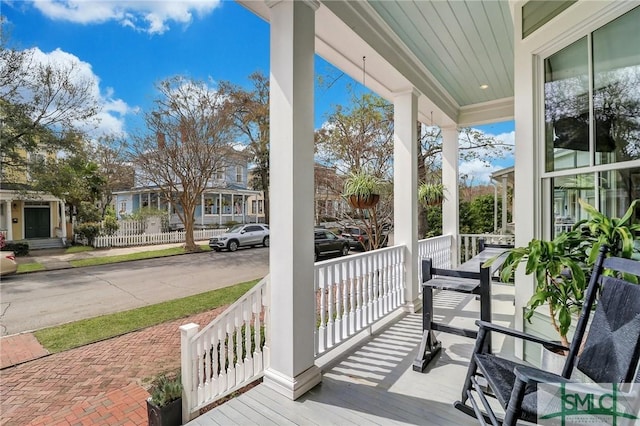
<point x="362" y="189"/>
<point x="19" y="249"/>
<point x="110" y="225"/>
<point x="430" y="194"/>
<point x="89" y="230"/>
<point x="562" y="266"/>
<point x="165" y="390"/>
<point x="362" y="184"/>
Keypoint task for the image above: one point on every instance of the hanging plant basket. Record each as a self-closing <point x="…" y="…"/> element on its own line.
<point x="362" y="202"/>
<point x="431" y="194"/>
<point x="435" y="201"/>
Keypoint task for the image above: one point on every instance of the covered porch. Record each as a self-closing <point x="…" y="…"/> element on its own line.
<point x="372" y="382"/>
<point x="450" y="64"/>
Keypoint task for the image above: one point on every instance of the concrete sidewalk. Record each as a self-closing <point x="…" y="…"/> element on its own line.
<point x="59" y="259"/>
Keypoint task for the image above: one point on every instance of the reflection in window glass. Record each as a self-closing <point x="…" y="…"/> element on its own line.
<point x="567" y="190"/>
<point x="617" y="190"/>
<point x="616" y="89"/>
<point x="566" y="96"/>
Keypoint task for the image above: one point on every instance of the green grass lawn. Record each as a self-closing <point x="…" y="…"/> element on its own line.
<point x="94" y="261"/>
<point x="78" y="249"/>
<point x="79" y="333"/>
<point x="29" y="267"/>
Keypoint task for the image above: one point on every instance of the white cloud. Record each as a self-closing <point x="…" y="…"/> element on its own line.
<point x="113" y="111"/>
<point x="152" y="17"/>
<point x="477" y="172"/>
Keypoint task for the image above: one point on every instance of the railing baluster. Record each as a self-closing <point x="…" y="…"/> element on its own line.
<point x="338" y="302"/>
<point x="330" y="320"/>
<point x="353" y="297"/>
<point x="320" y="286"/>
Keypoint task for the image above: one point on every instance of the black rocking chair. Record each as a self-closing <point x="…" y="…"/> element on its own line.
<point x="610" y="353"/>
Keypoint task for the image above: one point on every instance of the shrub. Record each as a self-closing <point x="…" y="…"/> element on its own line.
<point x="110" y="225"/>
<point x="88" y="230"/>
<point x="19" y="249"/>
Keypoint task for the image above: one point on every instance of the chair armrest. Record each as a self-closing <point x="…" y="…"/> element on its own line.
<point x="535" y="375"/>
<point x="519" y="334"/>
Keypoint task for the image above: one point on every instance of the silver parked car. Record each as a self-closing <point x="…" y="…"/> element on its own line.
<point x="249" y="235"/>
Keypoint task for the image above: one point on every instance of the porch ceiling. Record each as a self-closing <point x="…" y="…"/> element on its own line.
<point x="446" y="49"/>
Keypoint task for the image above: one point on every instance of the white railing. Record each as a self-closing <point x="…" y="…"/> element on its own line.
<point x="468" y="244"/>
<point x="226" y="354"/>
<point x="149" y="239"/>
<point x="355" y="291"/>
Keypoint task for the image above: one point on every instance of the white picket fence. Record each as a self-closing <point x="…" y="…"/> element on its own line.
<point x="227" y="354"/>
<point x="150" y="239"/>
<point x="131" y="227"/>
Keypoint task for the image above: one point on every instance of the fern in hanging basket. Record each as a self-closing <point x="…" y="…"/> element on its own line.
<point x="431" y="194"/>
<point x="362" y="190"/>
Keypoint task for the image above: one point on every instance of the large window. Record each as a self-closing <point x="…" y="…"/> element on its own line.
<point x="592" y="122"/>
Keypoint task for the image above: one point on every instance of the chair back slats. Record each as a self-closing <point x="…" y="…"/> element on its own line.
<point x="612" y="348"/>
<point x="583" y="320"/>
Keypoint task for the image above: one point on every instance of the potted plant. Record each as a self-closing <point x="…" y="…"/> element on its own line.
<point x="562" y="266"/>
<point x="164" y="406"/>
<point x="431" y="194"/>
<point x="362" y="190"/>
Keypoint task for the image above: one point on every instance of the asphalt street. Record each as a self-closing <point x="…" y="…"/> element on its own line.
<point x="42" y="299"/>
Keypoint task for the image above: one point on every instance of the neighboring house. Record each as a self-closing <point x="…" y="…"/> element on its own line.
<point x="328" y="200"/>
<point x="36" y="217"/>
<point x="226" y="199"/>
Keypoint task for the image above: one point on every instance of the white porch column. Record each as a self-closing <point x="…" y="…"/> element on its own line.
<point x="291" y="370"/>
<point x="9" y="236"/>
<point x="63" y="219"/>
<point x="450" y="217"/>
<point x="405" y="194"/>
<point x="202" y="207"/>
<point x="505" y="187"/>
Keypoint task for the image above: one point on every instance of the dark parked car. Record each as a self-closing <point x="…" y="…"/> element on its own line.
<point x="241" y="236"/>
<point x="359" y="239"/>
<point x="326" y="242"/>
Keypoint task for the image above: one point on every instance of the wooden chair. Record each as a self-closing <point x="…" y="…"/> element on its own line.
<point x="610" y="353"/>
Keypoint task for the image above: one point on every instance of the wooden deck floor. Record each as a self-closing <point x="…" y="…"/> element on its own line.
<point x="374" y="384"/>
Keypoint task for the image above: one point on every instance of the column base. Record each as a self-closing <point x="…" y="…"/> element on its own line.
<point x="295" y="387"/>
<point x="412" y="306"/>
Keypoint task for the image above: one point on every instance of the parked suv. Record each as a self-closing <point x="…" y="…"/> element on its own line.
<point x="359" y="239"/>
<point x="241" y="236"/>
<point x="326" y="242"/>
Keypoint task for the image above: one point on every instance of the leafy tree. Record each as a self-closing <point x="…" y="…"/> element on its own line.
<point x="189" y="136"/>
<point x="250" y="111"/>
<point x="42" y="105"/>
<point x="110" y="155"/>
<point x="75" y="178"/>
<point x="359" y="136"/>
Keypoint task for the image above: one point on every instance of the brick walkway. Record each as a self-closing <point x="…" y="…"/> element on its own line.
<point x="20" y="348"/>
<point x="97" y="384"/>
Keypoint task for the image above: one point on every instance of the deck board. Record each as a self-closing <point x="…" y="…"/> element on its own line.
<point x="374" y="383"/>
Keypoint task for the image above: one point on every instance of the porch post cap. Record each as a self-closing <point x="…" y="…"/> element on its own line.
<point x="408" y="91"/>
<point x="313" y="4"/>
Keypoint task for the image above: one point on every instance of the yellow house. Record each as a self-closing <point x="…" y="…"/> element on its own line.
<point x="34" y="217"/>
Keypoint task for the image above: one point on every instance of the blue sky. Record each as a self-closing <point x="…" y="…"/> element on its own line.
<point x="127" y="46"/>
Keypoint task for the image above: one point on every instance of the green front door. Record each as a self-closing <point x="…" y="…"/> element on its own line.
<point x="37" y="222"/>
